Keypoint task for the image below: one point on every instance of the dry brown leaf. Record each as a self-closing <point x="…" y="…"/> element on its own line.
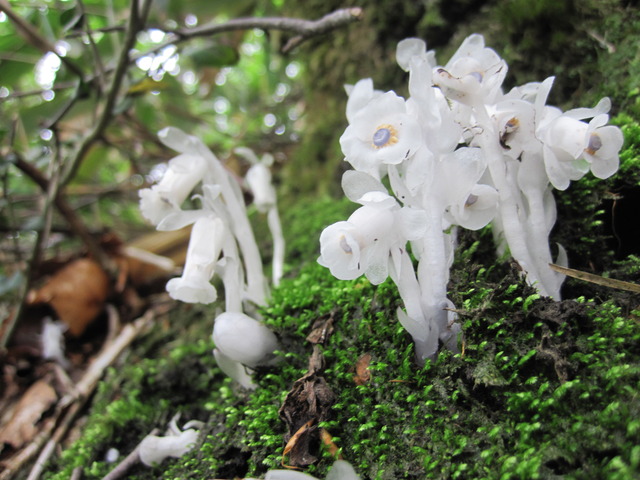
<point x="309" y="400"/>
<point x="77" y="293"/>
<point x="363" y="374"/>
<point x="21" y="427"/>
<point x="292" y="444"/>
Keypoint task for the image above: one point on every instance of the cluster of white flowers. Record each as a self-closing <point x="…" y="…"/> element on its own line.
<point x="222" y="242"/>
<point x="459" y="152"/>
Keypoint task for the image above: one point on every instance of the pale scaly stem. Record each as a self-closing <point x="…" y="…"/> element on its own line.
<point x="414" y="321"/>
<point x="273" y="219"/>
<point x="512" y="224"/>
<point x="539" y="243"/>
<point x="216" y="174"/>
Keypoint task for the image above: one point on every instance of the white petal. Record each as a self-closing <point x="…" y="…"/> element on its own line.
<point x="234" y="370"/>
<point x="355" y="184"/>
<point x="408" y="48"/>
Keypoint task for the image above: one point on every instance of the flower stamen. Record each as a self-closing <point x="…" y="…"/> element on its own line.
<point x="595" y="144"/>
<point x="384" y="136"/>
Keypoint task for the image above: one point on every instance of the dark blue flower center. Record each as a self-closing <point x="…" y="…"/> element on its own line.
<point x="381" y="137"/>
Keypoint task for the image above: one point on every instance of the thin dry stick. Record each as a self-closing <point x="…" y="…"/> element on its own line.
<point x="68" y="407"/>
<point x="304" y="29"/>
<point x="596" y="279"/>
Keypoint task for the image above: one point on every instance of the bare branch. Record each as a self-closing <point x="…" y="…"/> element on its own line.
<point x="35" y="39"/>
<point x="133" y="27"/>
<point x="304" y="29"/>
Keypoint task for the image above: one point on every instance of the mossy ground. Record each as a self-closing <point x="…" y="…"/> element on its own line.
<point x="543" y="389"/>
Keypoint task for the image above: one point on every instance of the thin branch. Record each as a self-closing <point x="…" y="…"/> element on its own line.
<point x="304" y="29"/>
<point x="35" y="39"/>
<point x="133" y="27"/>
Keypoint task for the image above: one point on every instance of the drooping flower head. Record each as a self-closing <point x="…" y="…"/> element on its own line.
<point x="194" y="286"/>
<point x="183" y="173"/>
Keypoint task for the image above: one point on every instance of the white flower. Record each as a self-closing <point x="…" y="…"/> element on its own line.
<point x="183" y="174"/>
<point x="206" y="241"/>
<point x="410" y="50"/>
<point x="154" y="449"/>
<point x="380" y="133"/>
<point x="243" y="339"/>
<point x="477" y="211"/>
<point x="473" y="74"/>
<point x="371" y="236"/>
<point x="572" y="147"/>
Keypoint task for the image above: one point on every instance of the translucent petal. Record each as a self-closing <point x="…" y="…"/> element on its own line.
<point x="408" y="48"/>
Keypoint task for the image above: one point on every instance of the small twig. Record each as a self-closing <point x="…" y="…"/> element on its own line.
<point x="133" y="27"/>
<point x="129" y="462"/>
<point x="304" y="29"/>
<point x="35" y="39"/>
<point x="596" y="279"/>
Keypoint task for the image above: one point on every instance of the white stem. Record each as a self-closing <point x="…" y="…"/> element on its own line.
<point x="512" y="224"/>
<point x="539" y="243"/>
<point x="256" y="285"/>
<point x="232" y="276"/>
<point x="273" y="219"/>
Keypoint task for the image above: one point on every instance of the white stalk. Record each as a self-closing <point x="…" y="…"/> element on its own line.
<point x="273" y="219"/>
<point x="512" y="224"/>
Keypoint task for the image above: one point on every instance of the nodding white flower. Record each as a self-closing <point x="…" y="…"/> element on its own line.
<point x="194" y="286"/>
<point x="154" y="449"/>
<point x="382" y="132"/>
<point x="572" y="147"/>
<point x="183" y="174"/>
<point x="244" y="339"/>
<point x="359" y="95"/>
<point x="473" y="74"/>
<point x="371" y="236"/>
<point x="480" y="207"/>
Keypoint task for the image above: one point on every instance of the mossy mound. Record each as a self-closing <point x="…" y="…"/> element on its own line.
<point x="542" y="389"/>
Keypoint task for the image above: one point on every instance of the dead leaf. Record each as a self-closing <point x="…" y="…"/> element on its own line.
<point x="321" y="330"/>
<point x="309" y="400"/>
<point x="363" y="374"/>
<point x="21" y="427"/>
<point x="293" y="442"/>
<point x="77" y="293"/>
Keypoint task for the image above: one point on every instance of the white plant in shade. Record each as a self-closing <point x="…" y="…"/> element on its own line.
<point x="258" y="177"/>
<point x="175" y="443"/>
<point x="222" y="242"/>
<point x="458" y="153"/>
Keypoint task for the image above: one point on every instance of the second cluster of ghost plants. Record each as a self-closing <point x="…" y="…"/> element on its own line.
<point x="459" y="152"/>
<point x="222" y="242"/>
